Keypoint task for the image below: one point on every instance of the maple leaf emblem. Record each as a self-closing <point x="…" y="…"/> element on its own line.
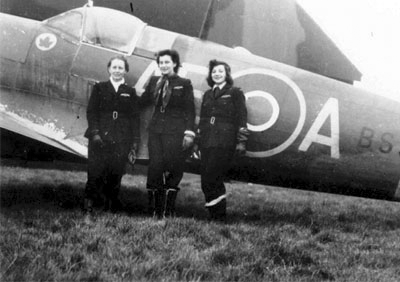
<point x="45" y="42"/>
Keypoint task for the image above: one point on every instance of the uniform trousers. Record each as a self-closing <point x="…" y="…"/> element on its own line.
<point x="215" y="162"/>
<point x="167" y="160"/>
<point x="106" y="166"/>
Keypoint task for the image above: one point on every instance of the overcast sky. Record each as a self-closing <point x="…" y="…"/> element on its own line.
<point x="368" y="33"/>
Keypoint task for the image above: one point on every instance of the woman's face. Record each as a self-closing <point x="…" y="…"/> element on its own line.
<point x="166" y="65"/>
<point x="218" y="74"/>
<point x="117" y="69"/>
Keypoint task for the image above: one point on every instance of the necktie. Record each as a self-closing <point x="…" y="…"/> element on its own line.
<point x="216" y="91"/>
<point x="165" y="88"/>
<point x="162" y="91"/>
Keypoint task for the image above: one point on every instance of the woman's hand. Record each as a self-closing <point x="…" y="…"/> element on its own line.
<point x="240" y="150"/>
<point x="97" y="141"/>
<point x="187" y="142"/>
<point x="132" y="154"/>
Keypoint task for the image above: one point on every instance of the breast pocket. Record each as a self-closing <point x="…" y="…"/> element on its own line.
<point x="225" y="100"/>
<point x="177" y="91"/>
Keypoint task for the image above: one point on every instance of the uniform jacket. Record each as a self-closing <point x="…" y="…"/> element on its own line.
<point x="222" y="116"/>
<point x="113" y="115"/>
<point x="178" y="113"/>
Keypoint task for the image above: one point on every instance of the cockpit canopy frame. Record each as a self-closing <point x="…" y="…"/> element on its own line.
<point x="100" y="27"/>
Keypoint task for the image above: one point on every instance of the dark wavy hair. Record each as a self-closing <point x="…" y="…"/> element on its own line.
<point x="122" y="58"/>
<point x="211" y="65"/>
<point x="174" y="57"/>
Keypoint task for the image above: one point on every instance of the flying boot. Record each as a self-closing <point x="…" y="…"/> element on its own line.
<point x="151" y="205"/>
<point x="170" y="202"/>
<point x="88" y="205"/>
<point x="159" y="200"/>
<point x="218" y="211"/>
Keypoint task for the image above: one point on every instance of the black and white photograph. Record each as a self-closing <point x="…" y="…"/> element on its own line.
<point x="200" y="140"/>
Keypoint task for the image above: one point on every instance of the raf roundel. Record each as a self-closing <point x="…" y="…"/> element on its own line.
<point x="276" y="110"/>
<point x="46" y="41"/>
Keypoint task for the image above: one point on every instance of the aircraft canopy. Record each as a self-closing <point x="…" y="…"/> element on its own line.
<point x="100" y="26"/>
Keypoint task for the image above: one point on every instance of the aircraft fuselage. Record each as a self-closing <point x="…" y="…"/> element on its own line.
<point x="307" y="131"/>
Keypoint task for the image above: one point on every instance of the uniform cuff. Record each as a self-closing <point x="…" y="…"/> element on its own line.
<point x="94" y="132"/>
<point x="190" y="133"/>
<point x="242" y="134"/>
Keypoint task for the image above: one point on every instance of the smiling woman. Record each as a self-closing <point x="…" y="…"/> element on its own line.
<point x="113" y="132"/>
<point x="171" y="132"/>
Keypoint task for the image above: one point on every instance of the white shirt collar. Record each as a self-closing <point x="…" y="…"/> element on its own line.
<point x="219" y="85"/>
<point x="116" y="84"/>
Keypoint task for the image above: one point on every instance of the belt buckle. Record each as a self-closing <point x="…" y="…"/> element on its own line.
<point x="212" y="120"/>
<point x="115" y="115"/>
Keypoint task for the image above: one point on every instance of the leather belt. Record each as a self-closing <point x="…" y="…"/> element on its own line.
<point x="213" y="120"/>
<point x="117" y="115"/>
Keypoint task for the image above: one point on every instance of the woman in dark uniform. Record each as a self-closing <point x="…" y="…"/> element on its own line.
<point x="113" y="118"/>
<point x="170" y="132"/>
<point x="223" y="131"/>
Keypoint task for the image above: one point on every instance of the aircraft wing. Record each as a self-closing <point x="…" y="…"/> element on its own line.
<point x="15" y="123"/>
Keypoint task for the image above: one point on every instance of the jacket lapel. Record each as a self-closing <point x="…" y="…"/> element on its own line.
<point x="223" y="91"/>
<point x="157" y="89"/>
<point x="110" y="87"/>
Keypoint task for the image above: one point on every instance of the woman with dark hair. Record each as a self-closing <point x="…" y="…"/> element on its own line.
<point x="223" y="131"/>
<point x="170" y="132"/>
<point x="113" y="131"/>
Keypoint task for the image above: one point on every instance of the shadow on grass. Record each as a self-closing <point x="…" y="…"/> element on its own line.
<point x="69" y="197"/>
<point x="308" y="212"/>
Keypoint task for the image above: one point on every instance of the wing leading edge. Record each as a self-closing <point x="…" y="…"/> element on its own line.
<point x="42" y="133"/>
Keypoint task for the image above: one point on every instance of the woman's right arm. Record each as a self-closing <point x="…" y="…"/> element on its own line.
<point x="92" y="111"/>
<point x="147" y="97"/>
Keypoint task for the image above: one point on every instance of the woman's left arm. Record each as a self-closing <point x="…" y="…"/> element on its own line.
<point x="189" y="106"/>
<point x="189" y="133"/>
<point x="241" y="121"/>
<point x="240" y="108"/>
<point x="135" y="116"/>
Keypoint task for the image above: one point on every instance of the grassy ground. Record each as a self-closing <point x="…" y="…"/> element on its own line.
<point x="273" y="234"/>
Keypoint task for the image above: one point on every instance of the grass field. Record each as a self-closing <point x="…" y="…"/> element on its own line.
<point x="273" y="234"/>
